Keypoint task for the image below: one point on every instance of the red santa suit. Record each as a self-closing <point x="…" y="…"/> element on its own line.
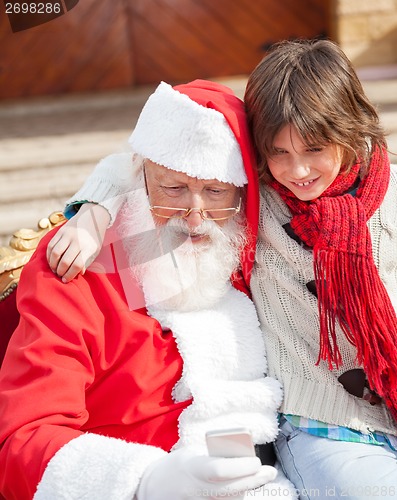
<point x="92" y="392"/>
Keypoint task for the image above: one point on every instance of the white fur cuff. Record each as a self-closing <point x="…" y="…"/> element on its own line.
<point x="94" y="466"/>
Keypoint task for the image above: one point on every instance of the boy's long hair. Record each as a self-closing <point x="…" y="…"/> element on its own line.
<point x="312" y="85"/>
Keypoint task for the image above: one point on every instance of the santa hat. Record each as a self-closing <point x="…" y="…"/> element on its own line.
<point x="179" y="129"/>
<point x="200" y="129"/>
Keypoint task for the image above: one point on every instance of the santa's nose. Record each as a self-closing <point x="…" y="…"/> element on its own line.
<point x="194" y="219"/>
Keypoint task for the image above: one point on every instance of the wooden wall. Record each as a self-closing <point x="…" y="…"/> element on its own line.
<point x="182" y="39"/>
<point x="103" y="44"/>
<point x="85" y="49"/>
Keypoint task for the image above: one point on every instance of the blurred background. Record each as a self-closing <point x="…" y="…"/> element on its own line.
<point x="71" y="88"/>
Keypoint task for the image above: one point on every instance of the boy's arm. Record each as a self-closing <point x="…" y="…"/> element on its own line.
<point x="79" y="240"/>
<point x="106" y="186"/>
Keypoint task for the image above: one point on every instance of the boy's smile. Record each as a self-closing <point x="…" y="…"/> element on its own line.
<point x="306" y="171"/>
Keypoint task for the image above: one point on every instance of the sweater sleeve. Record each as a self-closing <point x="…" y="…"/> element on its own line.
<point x="108" y="185"/>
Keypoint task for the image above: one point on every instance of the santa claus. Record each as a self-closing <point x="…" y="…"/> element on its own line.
<point x="111" y="381"/>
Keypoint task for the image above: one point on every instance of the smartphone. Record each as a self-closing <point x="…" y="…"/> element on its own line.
<point x="229" y="443"/>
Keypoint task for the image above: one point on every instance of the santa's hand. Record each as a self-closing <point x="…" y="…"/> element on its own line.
<point x="185" y="475"/>
<point x="78" y="241"/>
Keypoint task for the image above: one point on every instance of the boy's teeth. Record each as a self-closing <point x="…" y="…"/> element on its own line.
<point x="303" y="183"/>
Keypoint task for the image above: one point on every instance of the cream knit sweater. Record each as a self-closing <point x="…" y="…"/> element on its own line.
<point x="289" y="317"/>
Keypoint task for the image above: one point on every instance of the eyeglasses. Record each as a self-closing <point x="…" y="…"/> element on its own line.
<point x="206" y="214"/>
<point x="182" y="213"/>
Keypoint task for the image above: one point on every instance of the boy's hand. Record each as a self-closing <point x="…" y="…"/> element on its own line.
<point x="78" y="242"/>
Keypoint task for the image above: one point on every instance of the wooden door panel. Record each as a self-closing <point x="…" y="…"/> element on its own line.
<point x="104" y="44"/>
<point x="179" y="40"/>
<point x="86" y="49"/>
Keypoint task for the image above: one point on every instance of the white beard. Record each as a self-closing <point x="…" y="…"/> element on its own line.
<point x="175" y="273"/>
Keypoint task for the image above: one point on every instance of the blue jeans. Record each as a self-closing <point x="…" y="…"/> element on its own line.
<point x="322" y="468"/>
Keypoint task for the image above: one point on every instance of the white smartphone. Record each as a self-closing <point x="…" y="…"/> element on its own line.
<point x="229" y="443"/>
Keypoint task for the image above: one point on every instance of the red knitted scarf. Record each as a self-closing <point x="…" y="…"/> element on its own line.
<point x="349" y="288"/>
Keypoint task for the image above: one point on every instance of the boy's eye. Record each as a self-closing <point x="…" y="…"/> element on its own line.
<point x="277" y="151"/>
<point x="315" y="149"/>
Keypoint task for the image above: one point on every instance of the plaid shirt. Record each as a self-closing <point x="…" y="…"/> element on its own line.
<point x="338" y="433"/>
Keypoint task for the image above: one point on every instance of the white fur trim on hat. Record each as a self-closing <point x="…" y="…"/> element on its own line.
<point x="178" y="133"/>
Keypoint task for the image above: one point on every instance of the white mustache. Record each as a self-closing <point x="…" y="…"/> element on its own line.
<point x="206" y="228"/>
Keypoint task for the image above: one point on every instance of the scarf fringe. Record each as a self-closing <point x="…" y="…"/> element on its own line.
<point x="363" y="310"/>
